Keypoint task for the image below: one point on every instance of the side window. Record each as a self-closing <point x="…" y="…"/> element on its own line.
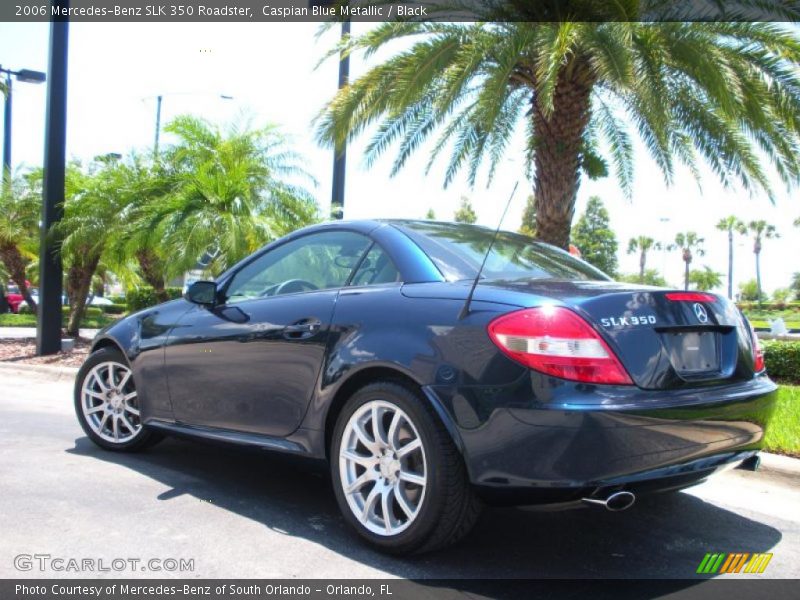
<point x="314" y="262"/>
<point x="376" y="268"/>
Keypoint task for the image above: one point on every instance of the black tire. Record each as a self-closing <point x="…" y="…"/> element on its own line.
<point x="449" y="507"/>
<point x="139" y="441"/>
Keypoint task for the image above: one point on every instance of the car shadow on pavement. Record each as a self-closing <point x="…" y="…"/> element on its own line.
<point x="663" y="536"/>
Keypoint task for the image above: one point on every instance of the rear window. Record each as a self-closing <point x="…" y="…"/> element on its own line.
<point x="457" y="250"/>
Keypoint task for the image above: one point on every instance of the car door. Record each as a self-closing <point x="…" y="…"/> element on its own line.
<point x="251" y="362"/>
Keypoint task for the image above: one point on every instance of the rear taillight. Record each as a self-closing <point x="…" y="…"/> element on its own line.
<point x="758" y="353"/>
<point x="690" y="297"/>
<point x="556" y="341"/>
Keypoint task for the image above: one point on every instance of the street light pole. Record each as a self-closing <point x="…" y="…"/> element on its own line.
<point x="340" y="150"/>
<point x="159" y="99"/>
<point x="7" y="130"/>
<point x="48" y="327"/>
<point x="24" y="75"/>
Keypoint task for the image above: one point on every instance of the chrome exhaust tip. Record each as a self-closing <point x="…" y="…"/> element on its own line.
<point x="615" y="502"/>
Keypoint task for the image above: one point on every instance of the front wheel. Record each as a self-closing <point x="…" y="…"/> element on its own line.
<point x="398" y="478"/>
<point x="107" y="403"/>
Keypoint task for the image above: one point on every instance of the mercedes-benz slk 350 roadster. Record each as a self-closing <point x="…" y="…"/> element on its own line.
<point x="368" y="345"/>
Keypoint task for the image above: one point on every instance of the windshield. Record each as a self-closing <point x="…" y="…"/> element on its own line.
<point x="458" y="250"/>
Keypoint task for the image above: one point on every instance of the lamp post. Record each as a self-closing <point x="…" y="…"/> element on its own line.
<point x="160" y="101"/>
<point x="340" y="150"/>
<point x="26" y="76"/>
<point x="48" y="325"/>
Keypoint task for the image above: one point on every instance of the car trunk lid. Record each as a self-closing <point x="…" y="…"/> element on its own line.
<point x="664" y="338"/>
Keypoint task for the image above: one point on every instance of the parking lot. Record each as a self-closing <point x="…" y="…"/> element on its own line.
<point x="245" y="514"/>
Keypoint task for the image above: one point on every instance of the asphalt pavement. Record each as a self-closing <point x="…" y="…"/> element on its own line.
<point x="238" y="513"/>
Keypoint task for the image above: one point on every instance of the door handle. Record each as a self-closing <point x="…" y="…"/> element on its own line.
<point x="303" y="329"/>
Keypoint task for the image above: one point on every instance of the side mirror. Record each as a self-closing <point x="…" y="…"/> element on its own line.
<point x="202" y="292"/>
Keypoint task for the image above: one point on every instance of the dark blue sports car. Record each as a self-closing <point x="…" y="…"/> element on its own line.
<point x="363" y="343"/>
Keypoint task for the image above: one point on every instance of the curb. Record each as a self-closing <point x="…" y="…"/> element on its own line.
<point x="777" y="463"/>
<point x="55" y="372"/>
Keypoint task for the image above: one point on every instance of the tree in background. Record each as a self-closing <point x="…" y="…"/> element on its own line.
<point x="688" y="244"/>
<point x="726" y="92"/>
<point x="642" y="244"/>
<point x="430" y="215"/>
<point x="760" y="230"/>
<point x="20" y="201"/>
<point x="231" y="195"/>
<point x="593" y="236"/>
<point x="649" y="277"/>
<point x="92" y="208"/>
<point x="795" y="285"/>
<point x="748" y="292"/>
<point x="781" y="296"/>
<point x="132" y="249"/>
<point x="705" y="279"/>
<point x="731" y="224"/>
<point x="465" y="213"/>
<point x="528" y="226"/>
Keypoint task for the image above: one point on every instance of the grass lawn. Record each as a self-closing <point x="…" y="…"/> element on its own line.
<point x="783" y="434"/>
<point x="25" y="320"/>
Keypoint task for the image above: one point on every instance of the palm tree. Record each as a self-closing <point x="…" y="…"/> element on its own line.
<point x="231" y="195"/>
<point x="726" y="92"/>
<point x="642" y="245"/>
<point x="92" y="210"/>
<point x="705" y="279"/>
<point x="760" y="230"/>
<point x="730" y="224"/>
<point x="143" y="183"/>
<point x="688" y="243"/>
<point x="20" y="200"/>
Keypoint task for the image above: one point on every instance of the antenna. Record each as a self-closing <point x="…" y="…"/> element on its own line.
<point x="465" y="309"/>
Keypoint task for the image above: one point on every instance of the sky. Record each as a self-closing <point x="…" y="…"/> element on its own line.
<point x="271" y="72"/>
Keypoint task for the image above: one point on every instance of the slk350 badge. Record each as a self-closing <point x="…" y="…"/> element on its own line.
<point x="631" y="321"/>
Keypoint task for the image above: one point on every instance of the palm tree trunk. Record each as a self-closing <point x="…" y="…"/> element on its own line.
<point x="153" y="273"/>
<point x="758" y="275"/>
<point x="642" y="264"/>
<point x="15" y="265"/>
<point x="730" y="264"/>
<point x="557" y="154"/>
<point x="79" y="282"/>
<point x="686" y="275"/>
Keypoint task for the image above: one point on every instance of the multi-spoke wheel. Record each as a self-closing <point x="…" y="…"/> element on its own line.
<point x="107" y="403"/>
<point x="398" y="477"/>
<point x="382" y="467"/>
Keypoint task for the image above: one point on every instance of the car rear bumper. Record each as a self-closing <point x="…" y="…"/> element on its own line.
<point x="628" y="439"/>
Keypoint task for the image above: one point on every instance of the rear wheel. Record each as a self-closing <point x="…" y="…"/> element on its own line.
<point x="107" y="403"/>
<point x="398" y="478"/>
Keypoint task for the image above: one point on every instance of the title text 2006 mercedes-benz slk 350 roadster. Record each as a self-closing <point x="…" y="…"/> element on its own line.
<point x="360" y="343"/>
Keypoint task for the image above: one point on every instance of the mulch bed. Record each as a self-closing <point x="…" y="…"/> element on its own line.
<point x="23" y="351"/>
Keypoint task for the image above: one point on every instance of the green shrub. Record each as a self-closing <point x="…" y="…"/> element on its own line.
<point x="24" y="309"/>
<point x="782" y="360"/>
<point x="115" y="309"/>
<point x="117" y="299"/>
<point x="145" y="296"/>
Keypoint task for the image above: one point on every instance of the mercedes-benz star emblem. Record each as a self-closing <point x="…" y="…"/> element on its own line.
<point x="700" y="311"/>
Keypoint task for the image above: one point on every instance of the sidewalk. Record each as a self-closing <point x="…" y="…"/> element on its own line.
<point x="16" y="333"/>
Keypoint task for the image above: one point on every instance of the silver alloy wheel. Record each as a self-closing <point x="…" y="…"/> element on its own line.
<point x="382" y="468"/>
<point x="110" y="404"/>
